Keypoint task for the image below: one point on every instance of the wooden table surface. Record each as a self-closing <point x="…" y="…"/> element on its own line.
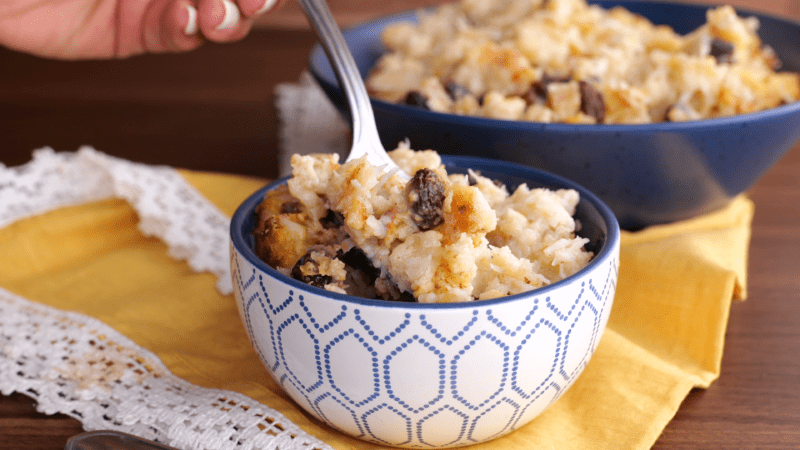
<point x="212" y="109"/>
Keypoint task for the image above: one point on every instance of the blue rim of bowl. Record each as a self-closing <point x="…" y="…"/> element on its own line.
<point x="473" y="121"/>
<point x="540" y="177"/>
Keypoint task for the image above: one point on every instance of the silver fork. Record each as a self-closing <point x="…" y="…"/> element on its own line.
<point x="366" y="140"/>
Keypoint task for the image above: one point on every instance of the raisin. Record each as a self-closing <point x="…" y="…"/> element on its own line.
<point x="592" y="102"/>
<point x="425" y="192"/>
<point x="416" y="98"/>
<point x="538" y="90"/>
<point x="331" y="220"/>
<point x="455" y="90"/>
<point x="318" y="280"/>
<point x="537" y="94"/>
<point x="357" y="259"/>
<point x="407" y="297"/>
<point x="722" y="51"/>
<point x="668" y="113"/>
<point x="292" y="207"/>
<point x="315" y="279"/>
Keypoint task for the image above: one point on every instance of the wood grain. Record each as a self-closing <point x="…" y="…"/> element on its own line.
<point x="755" y="403"/>
<point x="210" y="109"/>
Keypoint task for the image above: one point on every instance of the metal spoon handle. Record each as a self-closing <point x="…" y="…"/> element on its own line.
<point x="365" y="132"/>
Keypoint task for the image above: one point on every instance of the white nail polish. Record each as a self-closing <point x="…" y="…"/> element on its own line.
<point x="268" y="4"/>
<point x="231" y="16"/>
<point x="191" y="25"/>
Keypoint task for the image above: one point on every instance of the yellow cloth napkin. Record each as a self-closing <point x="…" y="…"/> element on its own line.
<point x="665" y="335"/>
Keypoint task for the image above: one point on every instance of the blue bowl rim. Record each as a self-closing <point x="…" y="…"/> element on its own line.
<point x="544" y="178"/>
<point x="518" y="125"/>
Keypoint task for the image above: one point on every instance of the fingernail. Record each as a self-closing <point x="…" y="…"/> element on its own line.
<point x="191" y="24"/>
<point x="231" y="16"/>
<point x="268" y="4"/>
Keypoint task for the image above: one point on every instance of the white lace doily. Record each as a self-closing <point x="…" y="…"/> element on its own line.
<point x="168" y="207"/>
<point x="92" y="372"/>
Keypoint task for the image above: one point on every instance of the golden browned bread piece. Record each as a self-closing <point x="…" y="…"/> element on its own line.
<point x="282" y="237"/>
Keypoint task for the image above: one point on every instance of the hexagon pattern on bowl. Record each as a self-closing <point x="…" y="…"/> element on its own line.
<point x="430" y="377"/>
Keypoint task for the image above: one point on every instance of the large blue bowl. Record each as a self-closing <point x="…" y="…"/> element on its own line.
<point x="647" y="174"/>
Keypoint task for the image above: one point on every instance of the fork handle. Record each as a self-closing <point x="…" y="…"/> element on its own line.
<point x="365" y="131"/>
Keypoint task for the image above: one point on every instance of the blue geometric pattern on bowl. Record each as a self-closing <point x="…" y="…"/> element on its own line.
<point x="429" y="375"/>
<point x="423" y="378"/>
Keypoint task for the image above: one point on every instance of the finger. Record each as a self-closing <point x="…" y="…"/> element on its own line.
<point x="191" y="20"/>
<point x="181" y="31"/>
<point x="230" y="17"/>
<point x="170" y="28"/>
<point x="221" y="20"/>
<point x="255" y="8"/>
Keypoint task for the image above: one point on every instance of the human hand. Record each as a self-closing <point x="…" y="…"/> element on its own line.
<point x="94" y="29"/>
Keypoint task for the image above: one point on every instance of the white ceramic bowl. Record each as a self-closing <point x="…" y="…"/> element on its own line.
<point x="429" y="375"/>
